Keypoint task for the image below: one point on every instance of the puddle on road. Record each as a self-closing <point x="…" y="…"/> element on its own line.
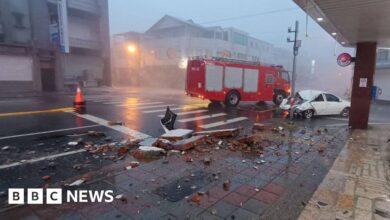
<point x="184" y="186"/>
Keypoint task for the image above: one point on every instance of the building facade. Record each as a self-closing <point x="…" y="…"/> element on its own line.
<point x="166" y="46"/>
<point x="30" y="37"/>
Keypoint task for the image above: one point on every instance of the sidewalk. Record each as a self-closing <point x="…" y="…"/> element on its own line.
<point x="269" y="180"/>
<point x="357" y="186"/>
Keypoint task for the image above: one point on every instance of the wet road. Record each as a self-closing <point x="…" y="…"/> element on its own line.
<point x="34" y="141"/>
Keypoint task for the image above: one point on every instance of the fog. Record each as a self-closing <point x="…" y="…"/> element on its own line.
<point x="267" y="20"/>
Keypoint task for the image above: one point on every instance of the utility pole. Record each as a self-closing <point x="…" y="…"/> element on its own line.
<point x="297" y="45"/>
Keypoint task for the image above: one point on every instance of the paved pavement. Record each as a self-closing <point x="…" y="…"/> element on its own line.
<point x="38" y="130"/>
<point x="357" y="186"/>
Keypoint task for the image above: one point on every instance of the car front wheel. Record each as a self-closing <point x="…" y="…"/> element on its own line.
<point x="308" y="114"/>
<point x="345" y="112"/>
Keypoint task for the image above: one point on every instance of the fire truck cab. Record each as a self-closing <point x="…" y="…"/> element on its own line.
<point x="231" y="81"/>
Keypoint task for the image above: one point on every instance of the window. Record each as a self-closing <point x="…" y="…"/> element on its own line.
<point x="285" y="76"/>
<point x="320" y="98"/>
<point x="19" y="18"/>
<point x="218" y="35"/>
<point x="225" y="36"/>
<point x="240" y="39"/>
<point x="331" y="98"/>
<point x="269" y="79"/>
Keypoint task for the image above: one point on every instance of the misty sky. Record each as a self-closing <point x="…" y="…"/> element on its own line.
<point x="139" y="15"/>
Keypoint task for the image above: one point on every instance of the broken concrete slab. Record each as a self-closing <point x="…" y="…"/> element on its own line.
<point x="189" y="143"/>
<point x="177" y="134"/>
<point x="221" y="133"/>
<point x="148" y="152"/>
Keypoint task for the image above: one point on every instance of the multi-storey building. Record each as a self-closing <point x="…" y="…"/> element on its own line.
<point x="47" y="45"/>
<point x="166" y="46"/>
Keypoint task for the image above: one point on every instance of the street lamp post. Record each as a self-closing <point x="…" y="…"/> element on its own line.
<point x="297" y="45"/>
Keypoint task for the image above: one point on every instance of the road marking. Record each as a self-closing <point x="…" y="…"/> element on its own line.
<point x="47" y="132"/>
<point x="201" y="117"/>
<point x="35" y="112"/>
<point x="137" y="104"/>
<point x="41" y="158"/>
<point x="133" y="133"/>
<point x="186" y="113"/>
<point x="153" y="106"/>
<point x="163" y="110"/>
<point x="220" y="123"/>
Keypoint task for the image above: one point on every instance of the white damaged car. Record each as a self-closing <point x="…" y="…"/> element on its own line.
<point x="308" y="103"/>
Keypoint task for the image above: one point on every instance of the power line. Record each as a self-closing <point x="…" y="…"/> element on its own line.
<point x="250" y="15"/>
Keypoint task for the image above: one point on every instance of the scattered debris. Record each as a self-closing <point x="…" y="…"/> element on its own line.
<point x="322" y="148"/>
<point x="73" y="143"/>
<point x="5" y="148"/>
<point x="113" y="123"/>
<point x="177" y="134"/>
<point x="96" y="134"/>
<point x="77" y="182"/>
<point x="196" y="199"/>
<point x="77" y="166"/>
<point x="207" y="161"/>
<point x="46" y="178"/>
<point x="322" y="204"/>
<point x="122" y="198"/>
<point x="226" y="185"/>
<point x="258" y="126"/>
<point x="189" y="143"/>
<point x="144" y="152"/>
<point x="223" y="133"/>
<point x="188" y="159"/>
<point x="213" y="211"/>
<point x="134" y="164"/>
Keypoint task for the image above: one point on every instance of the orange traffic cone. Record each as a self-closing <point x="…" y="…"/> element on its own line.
<point x="79" y="98"/>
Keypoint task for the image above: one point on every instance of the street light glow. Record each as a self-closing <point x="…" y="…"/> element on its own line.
<point x="131" y="48"/>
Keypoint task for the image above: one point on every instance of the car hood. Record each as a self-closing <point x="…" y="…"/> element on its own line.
<point x="309" y="95"/>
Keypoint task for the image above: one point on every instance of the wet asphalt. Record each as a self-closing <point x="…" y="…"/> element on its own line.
<point x="31" y="136"/>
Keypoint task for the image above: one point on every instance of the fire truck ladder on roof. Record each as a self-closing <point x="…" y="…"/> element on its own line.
<point x="223" y="59"/>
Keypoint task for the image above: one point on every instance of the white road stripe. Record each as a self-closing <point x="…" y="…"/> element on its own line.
<point x="41" y="158"/>
<point x="163" y="110"/>
<point x="186" y="113"/>
<point x="47" y="132"/>
<point x="153" y="106"/>
<point x="201" y="117"/>
<point x="137" y="104"/>
<point x="133" y="133"/>
<point x="220" y="123"/>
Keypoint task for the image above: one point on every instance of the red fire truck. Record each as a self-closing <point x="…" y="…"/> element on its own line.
<point x="232" y="81"/>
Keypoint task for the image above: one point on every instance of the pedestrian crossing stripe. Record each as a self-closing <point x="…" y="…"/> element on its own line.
<point x="201" y="117"/>
<point x="123" y="103"/>
<point x="147" y="107"/>
<point x="186" y="113"/>
<point x="220" y="123"/>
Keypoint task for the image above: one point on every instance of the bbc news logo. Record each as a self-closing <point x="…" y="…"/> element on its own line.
<point x="54" y="196"/>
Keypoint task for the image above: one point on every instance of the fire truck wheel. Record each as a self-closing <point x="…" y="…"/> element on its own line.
<point x="278" y="98"/>
<point x="232" y="99"/>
